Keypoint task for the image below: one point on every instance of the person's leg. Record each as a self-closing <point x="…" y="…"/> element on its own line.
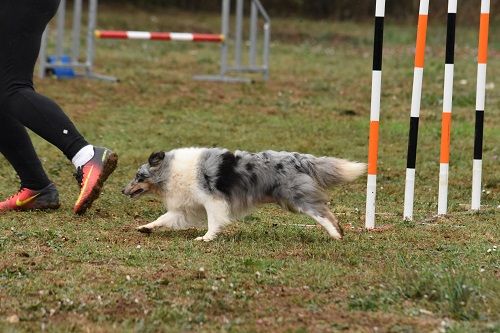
<point x="21" y="30"/>
<point x="36" y="192"/>
<point x="45" y="118"/>
<point x="21" y="27"/>
<point x="16" y="146"/>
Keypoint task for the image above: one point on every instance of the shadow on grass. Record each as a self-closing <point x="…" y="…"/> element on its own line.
<point x="245" y="234"/>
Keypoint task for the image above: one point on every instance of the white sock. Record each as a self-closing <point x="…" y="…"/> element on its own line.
<point x="83" y="156"/>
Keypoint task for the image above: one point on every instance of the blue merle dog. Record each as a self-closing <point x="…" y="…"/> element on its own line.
<point x="216" y="185"/>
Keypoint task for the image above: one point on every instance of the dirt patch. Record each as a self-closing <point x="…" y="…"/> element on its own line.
<point x="281" y="309"/>
<point x="74" y="322"/>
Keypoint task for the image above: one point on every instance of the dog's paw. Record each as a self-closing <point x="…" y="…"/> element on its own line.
<point x="203" y="238"/>
<point x="144" y="230"/>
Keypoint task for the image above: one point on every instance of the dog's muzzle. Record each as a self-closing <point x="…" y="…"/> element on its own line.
<point x="129" y="191"/>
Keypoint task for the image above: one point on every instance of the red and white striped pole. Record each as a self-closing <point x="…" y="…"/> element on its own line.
<point x="447" y="107"/>
<point x="164" y="36"/>
<point x="482" y="58"/>
<point x="418" y="74"/>
<point x="371" y="187"/>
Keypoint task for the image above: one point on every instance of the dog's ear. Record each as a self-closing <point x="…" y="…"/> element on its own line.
<point x="156" y="158"/>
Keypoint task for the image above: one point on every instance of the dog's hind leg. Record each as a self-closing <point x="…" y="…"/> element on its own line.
<point x="218" y="216"/>
<point x="302" y="194"/>
<point x="171" y="219"/>
<point x="327" y="220"/>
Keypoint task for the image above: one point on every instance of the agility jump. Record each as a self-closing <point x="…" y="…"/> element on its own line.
<point x="163" y="36"/>
<point x="68" y="65"/>
<point x="415" y="109"/>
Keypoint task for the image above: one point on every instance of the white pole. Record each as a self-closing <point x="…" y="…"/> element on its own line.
<point x="482" y="59"/>
<point x="371" y="186"/>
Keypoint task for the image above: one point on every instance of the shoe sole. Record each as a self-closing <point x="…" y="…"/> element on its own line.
<point x="31" y="209"/>
<point x="48" y="207"/>
<point x="109" y="167"/>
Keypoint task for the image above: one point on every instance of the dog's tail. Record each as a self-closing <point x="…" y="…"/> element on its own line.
<point x="331" y="171"/>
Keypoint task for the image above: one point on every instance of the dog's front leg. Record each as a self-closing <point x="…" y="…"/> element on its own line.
<point x="217" y="216"/>
<point x="170" y="219"/>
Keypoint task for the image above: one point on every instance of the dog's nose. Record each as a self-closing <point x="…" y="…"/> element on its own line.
<point x="123" y="191"/>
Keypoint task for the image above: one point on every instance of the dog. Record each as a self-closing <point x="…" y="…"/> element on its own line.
<point x="214" y="185"/>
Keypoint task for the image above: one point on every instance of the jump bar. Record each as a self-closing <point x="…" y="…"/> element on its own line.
<point x="164" y="36"/>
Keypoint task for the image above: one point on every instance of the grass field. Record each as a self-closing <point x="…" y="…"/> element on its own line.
<point x="95" y="273"/>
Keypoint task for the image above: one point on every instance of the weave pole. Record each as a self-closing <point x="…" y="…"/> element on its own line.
<point x="447" y="107"/>
<point x="164" y="36"/>
<point x="371" y="186"/>
<point x="418" y="74"/>
<point x="482" y="58"/>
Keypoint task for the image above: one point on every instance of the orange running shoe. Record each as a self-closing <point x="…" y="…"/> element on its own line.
<point x="27" y="199"/>
<point x="91" y="177"/>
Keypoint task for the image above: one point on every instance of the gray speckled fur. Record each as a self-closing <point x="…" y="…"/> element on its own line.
<point x="297" y="182"/>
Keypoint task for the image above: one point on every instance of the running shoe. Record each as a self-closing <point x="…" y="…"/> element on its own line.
<point x="28" y="199"/>
<point x="91" y="177"/>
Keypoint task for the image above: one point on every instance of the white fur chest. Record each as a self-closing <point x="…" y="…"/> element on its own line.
<point x="182" y="189"/>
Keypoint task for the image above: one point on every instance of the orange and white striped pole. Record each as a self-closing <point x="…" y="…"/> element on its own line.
<point x="447" y="106"/>
<point x="371" y="187"/>
<point x="482" y="58"/>
<point x="418" y="74"/>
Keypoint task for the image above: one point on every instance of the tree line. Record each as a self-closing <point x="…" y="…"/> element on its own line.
<point x="335" y="9"/>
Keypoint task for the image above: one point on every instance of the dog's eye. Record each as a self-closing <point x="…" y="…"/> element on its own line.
<point x="139" y="178"/>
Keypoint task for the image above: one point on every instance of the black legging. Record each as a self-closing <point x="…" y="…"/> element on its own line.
<point x="22" y="23"/>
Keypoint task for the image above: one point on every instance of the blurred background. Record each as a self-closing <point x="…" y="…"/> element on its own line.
<point x="337" y="9"/>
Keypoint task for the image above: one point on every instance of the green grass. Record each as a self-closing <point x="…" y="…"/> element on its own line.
<point x="95" y="273"/>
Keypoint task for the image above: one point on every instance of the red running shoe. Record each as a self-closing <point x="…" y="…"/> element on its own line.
<point x="91" y="177"/>
<point x="27" y="199"/>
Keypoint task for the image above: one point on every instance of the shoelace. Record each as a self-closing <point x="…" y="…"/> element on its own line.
<point x="21" y="190"/>
<point x="79" y="175"/>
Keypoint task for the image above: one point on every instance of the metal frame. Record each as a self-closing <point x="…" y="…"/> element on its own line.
<point x="82" y="68"/>
<point x="239" y="66"/>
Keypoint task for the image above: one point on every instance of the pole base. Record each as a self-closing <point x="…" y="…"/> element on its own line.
<point x="222" y="78"/>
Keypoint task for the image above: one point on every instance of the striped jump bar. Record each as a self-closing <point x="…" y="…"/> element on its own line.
<point x="164" y="36"/>
<point x="447" y="106"/>
<point x="418" y="74"/>
<point x="371" y="187"/>
<point x="480" y="101"/>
